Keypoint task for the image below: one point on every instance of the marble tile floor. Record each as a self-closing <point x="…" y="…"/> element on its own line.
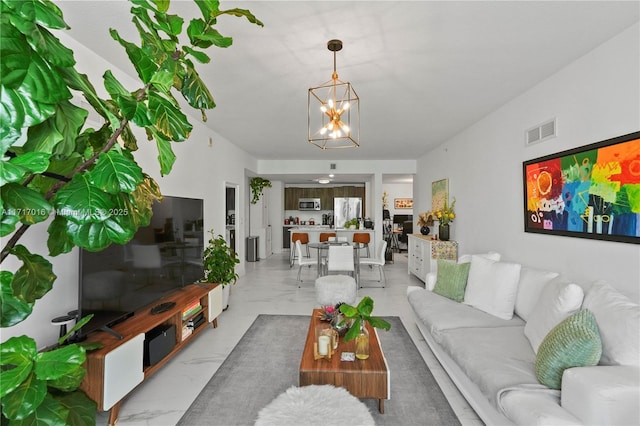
<point x="269" y="287"/>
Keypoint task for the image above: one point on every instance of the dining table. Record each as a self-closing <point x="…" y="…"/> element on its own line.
<point x="324" y="246"/>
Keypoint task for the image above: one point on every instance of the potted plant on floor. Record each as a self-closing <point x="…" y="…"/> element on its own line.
<point x="361" y="314"/>
<point x="219" y="261"/>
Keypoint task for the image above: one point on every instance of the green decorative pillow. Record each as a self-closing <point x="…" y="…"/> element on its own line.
<point x="452" y="279"/>
<point x="574" y="342"/>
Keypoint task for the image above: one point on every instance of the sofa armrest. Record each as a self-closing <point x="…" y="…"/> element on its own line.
<point x="602" y="394"/>
<point x="430" y="281"/>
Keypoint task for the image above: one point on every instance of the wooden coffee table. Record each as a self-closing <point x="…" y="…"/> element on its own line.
<point x="362" y="378"/>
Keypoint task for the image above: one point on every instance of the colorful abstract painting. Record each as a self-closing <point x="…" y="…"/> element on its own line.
<point x="589" y="192"/>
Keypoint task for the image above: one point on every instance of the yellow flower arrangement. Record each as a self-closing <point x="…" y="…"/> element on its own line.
<point x="446" y="214"/>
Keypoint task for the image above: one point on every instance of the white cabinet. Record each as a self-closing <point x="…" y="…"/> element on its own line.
<point x="123" y="371"/>
<point x="424" y="253"/>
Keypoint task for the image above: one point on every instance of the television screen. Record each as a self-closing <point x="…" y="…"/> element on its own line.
<point x="160" y="257"/>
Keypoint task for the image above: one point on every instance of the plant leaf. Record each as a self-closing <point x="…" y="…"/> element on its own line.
<point x="60" y="362"/>
<point x="35" y="162"/>
<point x="166" y="157"/>
<point x="59" y="242"/>
<point x="17" y="355"/>
<point x="7" y="223"/>
<point x="34" y="278"/>
<point x="378" y="322"/>
<point x="80" y="201"/>
<point x="90" y="236"/>
<point x="201" y="57"/>
<point x="13" y="310"/>
<point x="49" y="412"/>
<point x="365" y="307"/>
<point x="23" y="401"/>
<point x="143" y="64"/>
<point x="15" y="54"/>
<point x="114" y="173"/>
<point x="25" y="203"/>
<point x="43" y="83"/>
<point x="168" y="118"/>
<point x="195" y="91"/>
<point x="354" y="330"/>
<point x="82" y="409"/>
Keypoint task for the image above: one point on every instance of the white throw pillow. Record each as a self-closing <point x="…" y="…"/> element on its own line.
<point x="618" y="320"/>
<point x="557" y="301"/>
<point x="532" y="282"/>
<point x="491" y="255"/>
<point x="492" y="286"/>
<point x="430" y="281"/>
<point x="465" y="258"/>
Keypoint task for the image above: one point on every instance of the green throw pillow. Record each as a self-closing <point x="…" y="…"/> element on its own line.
<point x="575" y="342"/>
<point x="452" y="279"/>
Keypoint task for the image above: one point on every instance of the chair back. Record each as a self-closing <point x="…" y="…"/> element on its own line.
<point x="326" y="236"/>
<point x="298" y="251"/>
<point x="362" y="237"/>
<point x="303" y="237"/>
<point x="340" y="258"/>
<point x="381" y="249"/>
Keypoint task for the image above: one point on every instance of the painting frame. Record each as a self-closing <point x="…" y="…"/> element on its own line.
<point x="587" y="192"/>
<point x="439" y="194"/>
<point x="403" y="203"/>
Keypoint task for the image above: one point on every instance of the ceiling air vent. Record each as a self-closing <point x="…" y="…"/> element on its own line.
<point x="332" y="166"/>
<point x="541" y="132"/>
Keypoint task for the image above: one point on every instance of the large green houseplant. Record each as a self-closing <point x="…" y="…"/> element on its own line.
<point x="56" y="168"/>
<point x="219" y="261"/>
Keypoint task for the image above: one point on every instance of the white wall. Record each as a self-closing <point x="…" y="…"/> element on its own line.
<point x="595" y="98"/>
<point x="200" y="171"/>
<point x="398" y="190"/>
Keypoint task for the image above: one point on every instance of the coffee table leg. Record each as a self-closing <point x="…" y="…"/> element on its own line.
<point x="381" y="406"/>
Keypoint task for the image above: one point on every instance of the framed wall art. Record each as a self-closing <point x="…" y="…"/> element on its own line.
<point x="439" y="194"/>
<point x="403" y="203"/>
<point x="587" y="192"/>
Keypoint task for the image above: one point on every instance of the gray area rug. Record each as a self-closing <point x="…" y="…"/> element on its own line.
<point x="265" y="363"/>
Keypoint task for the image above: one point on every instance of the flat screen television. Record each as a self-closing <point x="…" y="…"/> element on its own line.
<point x="164" y="256"/>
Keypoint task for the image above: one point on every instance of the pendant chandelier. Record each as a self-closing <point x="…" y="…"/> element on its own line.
<point x="334" y="111"/>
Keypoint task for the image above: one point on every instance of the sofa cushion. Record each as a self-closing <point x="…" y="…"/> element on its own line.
<point x="492" y="286"/>
<point x="603" y="395"/>
<point x="439" y="314"/>
<point x="451" y="280"/>
<point x="619" y="323"/>
<point x="532" y="282"/>
<point x="557" y="301"/>
<point x="494" y="358"/>
<point x="535" y="408"/>
<point x="491" y="255"/>
<point x="575" y="342"/>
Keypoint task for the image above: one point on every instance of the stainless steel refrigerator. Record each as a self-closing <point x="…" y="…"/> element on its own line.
<point x="345" y="209"/>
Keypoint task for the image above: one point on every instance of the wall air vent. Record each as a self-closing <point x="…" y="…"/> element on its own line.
<point x="541" y="132"/>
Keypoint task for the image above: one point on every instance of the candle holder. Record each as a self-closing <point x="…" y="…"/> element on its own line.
<point x="326" y="342"/>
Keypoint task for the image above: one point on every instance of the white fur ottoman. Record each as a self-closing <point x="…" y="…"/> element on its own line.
<point x="314" y="405"/>
<point x="332" y="289"/>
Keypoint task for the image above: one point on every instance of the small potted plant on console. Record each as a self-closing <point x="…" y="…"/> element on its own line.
<point x="219" y="261"/>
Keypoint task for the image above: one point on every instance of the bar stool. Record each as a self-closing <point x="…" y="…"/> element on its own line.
<point x="324" y="236"/>
<point x="303" y="237"/>
<point x="363" y="238"/>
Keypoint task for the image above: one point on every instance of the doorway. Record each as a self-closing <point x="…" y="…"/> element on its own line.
<point x="231" y="210"/>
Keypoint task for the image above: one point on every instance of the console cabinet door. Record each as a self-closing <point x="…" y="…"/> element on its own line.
<point x="215" y="303"/>
<point x="123" y="371"/>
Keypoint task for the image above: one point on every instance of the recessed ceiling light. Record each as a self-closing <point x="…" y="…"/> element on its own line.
<point x="323" y="181"/>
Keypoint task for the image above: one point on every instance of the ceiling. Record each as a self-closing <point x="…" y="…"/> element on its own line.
<point x="424" y="70"/>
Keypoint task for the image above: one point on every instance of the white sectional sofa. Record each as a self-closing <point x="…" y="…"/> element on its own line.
<point x="487" y="342"/>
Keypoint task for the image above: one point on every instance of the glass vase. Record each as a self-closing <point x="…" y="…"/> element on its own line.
<point x="443" y="231"/>
<point x="362" y="342"/>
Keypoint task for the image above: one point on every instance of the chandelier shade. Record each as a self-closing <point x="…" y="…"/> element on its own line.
<point x="334" y="111"/>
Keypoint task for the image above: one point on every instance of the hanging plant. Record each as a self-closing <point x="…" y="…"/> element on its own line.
<point x="257" y="186"/>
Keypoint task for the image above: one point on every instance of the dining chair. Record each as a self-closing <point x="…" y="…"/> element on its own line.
<point x="303" y="237"/>
<point x="302" y="261"/>
<point x="326" y="236"/>
<point x="340" y="259"/>
<point x="378" y="260"/>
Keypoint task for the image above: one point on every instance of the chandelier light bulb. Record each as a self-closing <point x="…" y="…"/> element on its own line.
<point x="323" y="108"/>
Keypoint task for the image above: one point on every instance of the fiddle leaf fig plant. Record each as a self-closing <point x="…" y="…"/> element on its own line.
<point x="359" y="314"/>
<point x="83" y="180"/>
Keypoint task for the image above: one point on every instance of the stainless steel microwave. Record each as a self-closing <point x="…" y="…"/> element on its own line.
<point x="309" y="204"/>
